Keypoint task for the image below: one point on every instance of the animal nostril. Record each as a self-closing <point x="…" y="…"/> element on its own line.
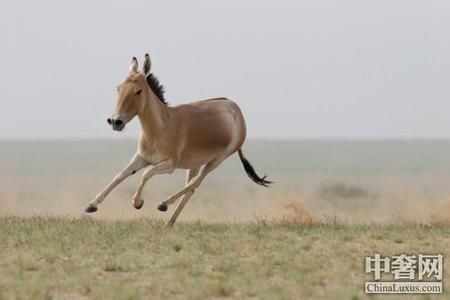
<point x="109" y="121"/>
<point x="118" y="123"/>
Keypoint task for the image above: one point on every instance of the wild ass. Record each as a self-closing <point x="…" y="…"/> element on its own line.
<point x="197" y="136"/>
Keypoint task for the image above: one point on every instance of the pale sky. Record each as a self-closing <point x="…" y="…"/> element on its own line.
<point x="298" y="69"/>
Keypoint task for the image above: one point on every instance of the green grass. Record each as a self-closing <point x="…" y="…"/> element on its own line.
<point x="67" y="258"/>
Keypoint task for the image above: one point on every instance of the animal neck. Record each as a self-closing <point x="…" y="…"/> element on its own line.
<point x="153" y="115"/>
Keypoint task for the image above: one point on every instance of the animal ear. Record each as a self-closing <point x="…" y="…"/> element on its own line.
<point x="147" y="65"/>
<point x="133" y="66"/>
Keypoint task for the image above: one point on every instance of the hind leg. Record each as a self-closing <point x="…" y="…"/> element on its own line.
<point x="190" y="174"/>
<point x="194" y="182"/>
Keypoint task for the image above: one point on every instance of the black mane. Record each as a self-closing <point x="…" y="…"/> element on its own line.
<point x="156" y="87"/>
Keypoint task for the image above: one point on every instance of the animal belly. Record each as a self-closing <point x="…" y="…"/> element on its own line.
<point x="208" y="139"/>
<point x="195" y="159"/>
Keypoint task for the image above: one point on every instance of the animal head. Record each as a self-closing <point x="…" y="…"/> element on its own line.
<point x="131" y="94"/>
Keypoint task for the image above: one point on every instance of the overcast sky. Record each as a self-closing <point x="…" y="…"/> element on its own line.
<point x="303" y="69"/>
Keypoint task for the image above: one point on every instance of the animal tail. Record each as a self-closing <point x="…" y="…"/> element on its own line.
<point x="251" y="172"/>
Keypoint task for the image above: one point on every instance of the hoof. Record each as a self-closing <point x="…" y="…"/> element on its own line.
<point x="90" y="208"/>
<point x="139" y="205"/>
<point x="162" y="207"/>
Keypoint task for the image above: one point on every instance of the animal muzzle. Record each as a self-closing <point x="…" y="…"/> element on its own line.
<point x="116" y="124"/>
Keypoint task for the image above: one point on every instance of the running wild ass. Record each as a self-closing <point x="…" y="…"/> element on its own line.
<point x="197" y="136"/>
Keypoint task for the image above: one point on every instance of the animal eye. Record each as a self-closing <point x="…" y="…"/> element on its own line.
<point x="139" y="92"/>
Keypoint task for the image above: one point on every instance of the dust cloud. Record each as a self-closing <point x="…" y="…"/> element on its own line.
<point x="312" y="182"/>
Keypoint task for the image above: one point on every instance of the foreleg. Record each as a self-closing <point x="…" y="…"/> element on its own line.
<point x="136" y="163"/>
<point x="164" y="167"/>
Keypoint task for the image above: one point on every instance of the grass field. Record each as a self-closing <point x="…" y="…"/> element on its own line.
<point x="64" y="258"/>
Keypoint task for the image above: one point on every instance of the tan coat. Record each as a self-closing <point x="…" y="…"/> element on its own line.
<point x="196" y="136"/>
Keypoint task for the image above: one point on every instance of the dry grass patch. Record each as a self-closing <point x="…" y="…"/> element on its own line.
<point x="44" y="258"/>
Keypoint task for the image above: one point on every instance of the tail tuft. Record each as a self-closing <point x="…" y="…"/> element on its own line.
<point x="251" y="172"/>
